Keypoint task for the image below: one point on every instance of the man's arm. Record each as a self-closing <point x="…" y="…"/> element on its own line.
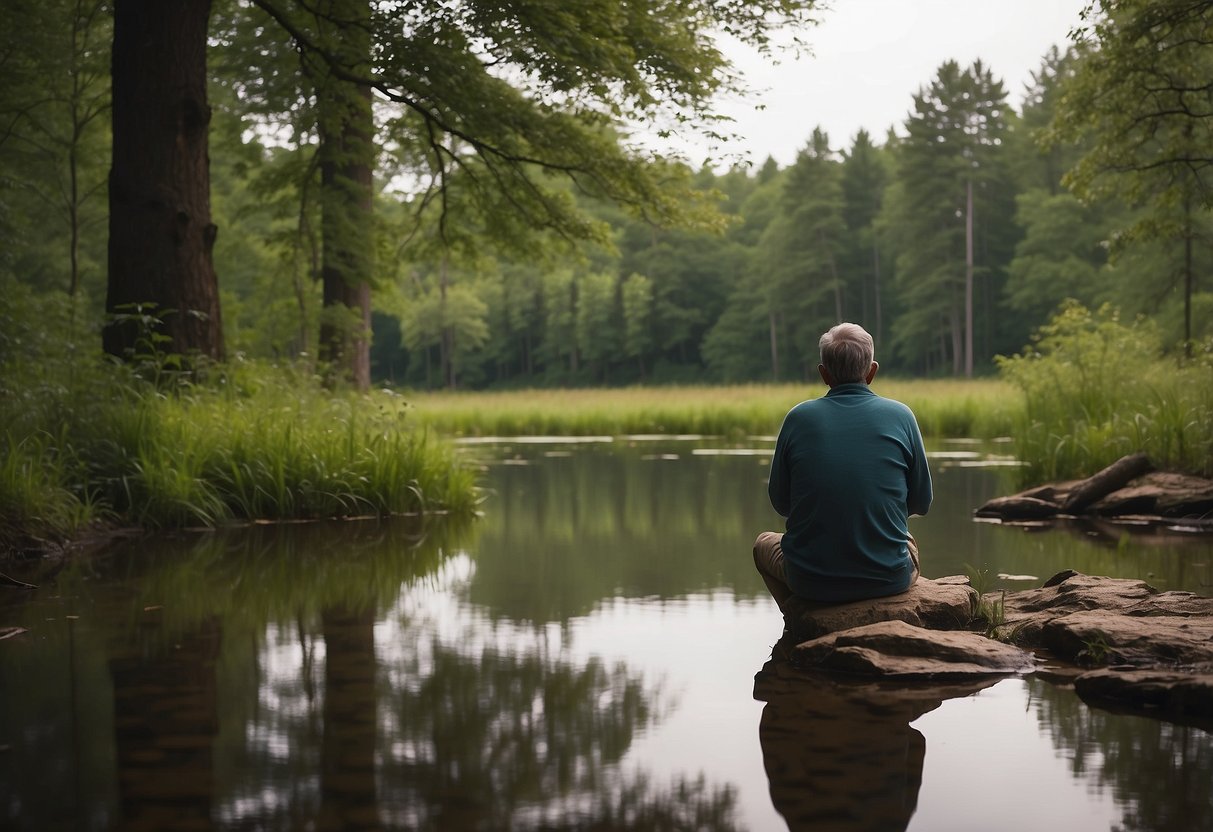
<point x="779" y="487"/>
<point x="918" y="479"/>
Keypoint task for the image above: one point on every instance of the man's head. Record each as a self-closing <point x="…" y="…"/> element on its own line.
<point x="846" y="355"/>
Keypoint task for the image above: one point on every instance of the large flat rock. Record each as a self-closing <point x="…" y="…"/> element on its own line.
<point x="1156" y="648"/>
<point x="939" y="604"/>
<point x="1127" y="488"/>
<point x="1026" y="612"/>
<point x="897" y="649"/>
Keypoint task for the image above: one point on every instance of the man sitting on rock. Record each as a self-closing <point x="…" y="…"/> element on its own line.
<point x="848" y="470"/>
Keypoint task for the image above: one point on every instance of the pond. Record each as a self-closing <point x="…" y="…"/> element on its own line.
<point x="592" y="653"/>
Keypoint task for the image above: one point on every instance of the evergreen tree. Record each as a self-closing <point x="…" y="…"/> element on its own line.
<point x="864" y="178"/>
<point x="950" y="212"/>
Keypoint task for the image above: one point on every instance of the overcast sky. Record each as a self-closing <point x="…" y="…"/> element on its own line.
<point x="869" y="58"/>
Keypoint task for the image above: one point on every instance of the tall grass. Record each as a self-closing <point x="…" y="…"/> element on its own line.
<point x="1097" y="388"/>
<point x="945" y="408"/>
<point x="240" y="442"/>
<point x="274" y="446"/>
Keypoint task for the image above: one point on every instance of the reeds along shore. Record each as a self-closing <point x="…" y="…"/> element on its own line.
<point x="254" y="442"/>
<point x="251" y="443"/>
<point x="945" y="408"/>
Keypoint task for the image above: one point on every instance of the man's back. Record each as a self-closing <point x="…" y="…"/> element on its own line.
<point x="848" y="470"/>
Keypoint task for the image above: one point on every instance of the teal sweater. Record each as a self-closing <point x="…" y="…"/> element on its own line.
<point x="848" y="470"/>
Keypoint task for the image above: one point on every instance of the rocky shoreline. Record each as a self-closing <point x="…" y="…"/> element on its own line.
<point x="1121" y="643"/>
<point x="1129" y="490"/>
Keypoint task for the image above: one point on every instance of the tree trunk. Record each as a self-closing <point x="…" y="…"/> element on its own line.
<point x="160" y="230"/>
<point x="1189" y="280"/>
<point x="347" y="159"/>
<point x="348" y="790"/>
<point x="968" y="279"/>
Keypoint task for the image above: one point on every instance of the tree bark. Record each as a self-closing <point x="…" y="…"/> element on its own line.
<point x="160" y="230"/>
<point x="347" y="159"/>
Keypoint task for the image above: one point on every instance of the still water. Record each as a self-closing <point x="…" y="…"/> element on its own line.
<point x="592" y="653"/>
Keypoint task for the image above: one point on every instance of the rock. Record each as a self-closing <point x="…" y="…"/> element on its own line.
<point x="1101" y="637"/>
<point x="1160" y="643"/>
<point x="1018" y="507"/>
<point x="1170" y="693"/>
<point x="1026" y="612"/>
<point x="1162" y="494"/>
<point x="1127" y="488"/>
<point x="939" y="604"/>
<point x="897" y="649"/>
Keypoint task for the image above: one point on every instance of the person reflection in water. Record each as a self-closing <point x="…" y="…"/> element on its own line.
<point x="848" y="470"/>
<point x="842" y="755"/>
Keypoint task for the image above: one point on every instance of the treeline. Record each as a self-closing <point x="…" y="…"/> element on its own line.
<point x="952" y="237"/>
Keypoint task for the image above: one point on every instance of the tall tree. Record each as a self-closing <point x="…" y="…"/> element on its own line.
<point x="950" y="175"/>
<point x="864" y="177"/>
<point x="161" y="234"/>
<point x="52" y="108"/>
<point x="1143" y="96"/>
<point x="503" y="96"/>
<point x="347" y="160"/>
<point x="799" y="254"/>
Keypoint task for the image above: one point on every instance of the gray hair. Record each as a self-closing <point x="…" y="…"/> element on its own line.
<point x="846" y="352"/>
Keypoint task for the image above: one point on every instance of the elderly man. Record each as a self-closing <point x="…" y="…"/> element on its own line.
<point x="849" y="469"/>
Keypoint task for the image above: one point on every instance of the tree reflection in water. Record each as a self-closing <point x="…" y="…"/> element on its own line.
<point x="165" y="721"/>
<point x="842" y="756"/>
<point x="525" y="740"/>
<point x="338" y="698"/>
<point x="1160" y="772"/>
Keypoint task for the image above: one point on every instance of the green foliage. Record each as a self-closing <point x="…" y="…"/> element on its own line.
<point x="989" y="610"/>
<point x="1096" y="388"/>
<point x="86" y="441"/>
<point x="1140" y="99"/>
<point x="955" y="145"/>
<point x="54" y="141"/>
<point x="1059" y="256"/>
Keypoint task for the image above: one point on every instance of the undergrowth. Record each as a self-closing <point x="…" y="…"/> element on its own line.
<point x="87" y="440"/>
<point x="1096" y="388"/>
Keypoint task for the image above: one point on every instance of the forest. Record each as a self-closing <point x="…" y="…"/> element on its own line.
<point x="382" y="199"/>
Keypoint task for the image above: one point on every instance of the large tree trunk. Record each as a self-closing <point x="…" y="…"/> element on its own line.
<point x="347" y="159"/>
<point x="160" y="229"/>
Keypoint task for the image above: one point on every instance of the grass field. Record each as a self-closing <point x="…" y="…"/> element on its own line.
<point x="945" y="408"/>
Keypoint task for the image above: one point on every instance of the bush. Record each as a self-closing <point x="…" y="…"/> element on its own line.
<point x="1097" y="388"/>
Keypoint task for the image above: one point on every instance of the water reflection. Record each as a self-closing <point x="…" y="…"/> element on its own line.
<point x="165" y="721"/>
<point x="1161" y="773"/>
<point x="579" y="658"/>
<point x="842" y="756"/>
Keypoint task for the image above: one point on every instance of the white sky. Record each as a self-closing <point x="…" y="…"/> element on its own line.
<point x="869" y="58"/>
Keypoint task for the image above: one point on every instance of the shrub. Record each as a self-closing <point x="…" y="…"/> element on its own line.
<point x="1097" y="388"/>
